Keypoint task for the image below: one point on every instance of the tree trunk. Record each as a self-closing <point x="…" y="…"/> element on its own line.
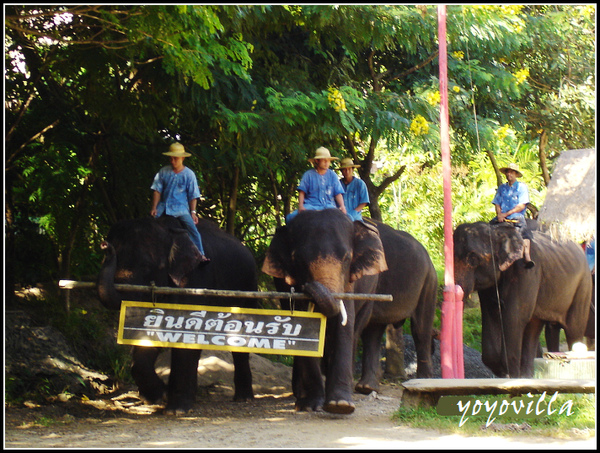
<point x="499" y="179"/>
<point x="543" y="164"/>
<point x="232" y="207"/>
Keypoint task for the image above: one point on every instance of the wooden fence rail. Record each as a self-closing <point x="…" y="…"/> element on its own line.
<point x="71" y="284"/>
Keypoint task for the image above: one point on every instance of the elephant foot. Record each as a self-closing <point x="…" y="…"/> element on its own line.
<point x="243" y="398"/>
<point x="366" y="388"/>
<point x="176" y="412"/>
<point x="307" y="405"/>
<point x="339" y="407"/>
<point x="158" y="396"/>
<point x="179" y="409"/>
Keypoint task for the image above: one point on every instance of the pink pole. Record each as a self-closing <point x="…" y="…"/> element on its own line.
<point x="451" y="334"/>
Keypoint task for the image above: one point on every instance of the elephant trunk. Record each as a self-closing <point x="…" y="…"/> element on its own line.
<point x="323" y="299"/>
<point x="109" y="297"/>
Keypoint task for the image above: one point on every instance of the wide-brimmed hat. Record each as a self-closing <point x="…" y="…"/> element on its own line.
<point x="177" y="150"/>
<point x="513" y="167"/>
<point x="322" y="153"/>
<point x="347" y="162"/>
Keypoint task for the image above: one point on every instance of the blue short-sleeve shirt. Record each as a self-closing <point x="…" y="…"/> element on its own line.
<point x="507" y="197"/>
<point x="320" y="190"/>
<point x="176" y="189"/>
<point x="355" y="193"/>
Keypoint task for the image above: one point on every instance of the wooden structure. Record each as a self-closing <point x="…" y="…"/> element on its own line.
<point x="70" y="284"/>
<point x="427" y="392"/>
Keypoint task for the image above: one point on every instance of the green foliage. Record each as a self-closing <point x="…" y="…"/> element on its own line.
<point x="95" y="93"/>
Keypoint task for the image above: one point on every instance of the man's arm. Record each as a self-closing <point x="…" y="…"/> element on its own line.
<point x="155" y="200"/>
<point x="339" y="198"/>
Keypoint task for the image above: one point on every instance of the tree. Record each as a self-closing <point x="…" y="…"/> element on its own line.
<point x="103" y="70"/>
<point x="94" y="93"/>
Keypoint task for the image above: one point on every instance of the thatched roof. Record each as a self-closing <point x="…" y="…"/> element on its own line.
<point x="569" y="210"/>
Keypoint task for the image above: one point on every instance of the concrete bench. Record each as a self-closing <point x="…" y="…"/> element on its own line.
<point x="427" y="392"/>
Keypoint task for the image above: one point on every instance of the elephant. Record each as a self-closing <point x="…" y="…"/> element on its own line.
<point x="412" y="281"/>
<point x="517" y="302"/>
<point x="159" y="250"/>
<point x="324" y="252"/>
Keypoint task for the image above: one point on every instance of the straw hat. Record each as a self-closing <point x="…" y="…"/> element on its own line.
<point x="347" y="162"/>
<point x="513" y="167"/>
<point x="322" y="153"/>
<point x="177" y="150"/>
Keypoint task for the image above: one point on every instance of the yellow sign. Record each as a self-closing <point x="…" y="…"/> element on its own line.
<point x="222" y="328"/>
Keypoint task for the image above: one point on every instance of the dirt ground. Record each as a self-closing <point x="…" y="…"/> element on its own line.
<point x="111" y="418"/>
<point x="121" y="420"/>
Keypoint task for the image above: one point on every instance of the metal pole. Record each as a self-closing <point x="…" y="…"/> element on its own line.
<point x="70" y="284"/>
<point x="451" y="328"/>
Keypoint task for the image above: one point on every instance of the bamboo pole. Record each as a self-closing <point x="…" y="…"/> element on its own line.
<point x="71" y="284"/>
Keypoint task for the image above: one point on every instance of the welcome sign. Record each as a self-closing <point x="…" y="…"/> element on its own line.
<point x="222" y="328"/>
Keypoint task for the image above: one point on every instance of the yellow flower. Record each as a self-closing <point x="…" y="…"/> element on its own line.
<point x="502" y="132"/>
<point x="588" y="10"/>
<point x="511" y="9"/>
<point x="456" y="89"/>
<point x="419" y="126"/>
<point x="336" y="99"/>
<point x="433" y="98"/>
<point x="521" y="75"/>
<point x="459" y="54"/>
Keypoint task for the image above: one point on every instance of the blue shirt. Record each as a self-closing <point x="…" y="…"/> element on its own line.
<point x="507" y="197"/>
<point x="320" y="190"/>
<point x="590" y="254"/>
<point x="356" y="193"/>
<point x="176" y="189"/>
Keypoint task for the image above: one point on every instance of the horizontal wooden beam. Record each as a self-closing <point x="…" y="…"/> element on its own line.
<point x="71" y="284"/>
<point x="426" y="392"/>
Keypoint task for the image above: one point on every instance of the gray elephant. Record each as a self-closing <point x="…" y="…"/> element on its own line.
<point x="146" y="250"/>
<point x="320" y="253"/>
<point x="517" y="302"/>
<point x="412" y="281"/>
<point x="323" y="252"/>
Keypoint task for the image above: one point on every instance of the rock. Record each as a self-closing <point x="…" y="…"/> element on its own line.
<point x="474" y="367"/>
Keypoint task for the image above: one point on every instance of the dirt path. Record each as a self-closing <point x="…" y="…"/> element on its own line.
<point x="269" y="421"/>
<point x="120" y="420"/>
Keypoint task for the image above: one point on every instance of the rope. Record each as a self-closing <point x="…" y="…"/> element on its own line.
<point x="472" y="87"/>
<point x="491" y="239"/>
<point x="499" y="303"/>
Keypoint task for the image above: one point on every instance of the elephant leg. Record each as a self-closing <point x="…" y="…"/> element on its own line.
<point x="578" y="314"/>
<point x="492" y="349"/>
<point x="183" y="380"/>
<point x="531" y="340"/>
<point x="151" y="387"/>
<point x="339" y="378"/>
<point x="552" y="334"/>
<point x="242" y="377"/>
<point x="371" y="369"/>
<point x="421" y="324"/>
<point x="307" y="384"/>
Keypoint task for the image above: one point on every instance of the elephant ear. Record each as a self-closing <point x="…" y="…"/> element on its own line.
<point x="183" y="256"/>
<point x="368" y="257"/>
<point x="508" y="245"/>
<point x="277" y="255"/>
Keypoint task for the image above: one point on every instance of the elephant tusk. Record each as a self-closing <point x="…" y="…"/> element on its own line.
<point x="343" y="313"/>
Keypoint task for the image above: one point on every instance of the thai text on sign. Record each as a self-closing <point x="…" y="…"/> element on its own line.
<point x="222" y="328"/>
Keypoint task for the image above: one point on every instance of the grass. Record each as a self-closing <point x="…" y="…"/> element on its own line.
<point x="573" y="414"/>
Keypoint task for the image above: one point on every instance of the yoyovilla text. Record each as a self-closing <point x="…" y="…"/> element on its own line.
<point x="528" y="406"/>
